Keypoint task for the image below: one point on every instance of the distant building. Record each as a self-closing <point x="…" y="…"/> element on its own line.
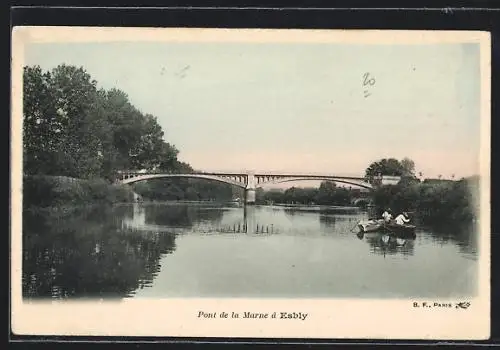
<point x="386" y="180"/>
<point x="390" y="180"/>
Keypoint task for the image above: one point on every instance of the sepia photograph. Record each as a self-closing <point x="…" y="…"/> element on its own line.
<point x="258" y="182"/>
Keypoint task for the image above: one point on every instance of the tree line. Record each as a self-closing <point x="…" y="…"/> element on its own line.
<point x="429" y="201"/>
<point x="328" y="193"/>
<point x="73" y="128"/>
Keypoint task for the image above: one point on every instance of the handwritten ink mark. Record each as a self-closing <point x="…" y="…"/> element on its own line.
<point x="462" y="305"/>
<point x="182" y="73"/>
<point x="368" y="81"/>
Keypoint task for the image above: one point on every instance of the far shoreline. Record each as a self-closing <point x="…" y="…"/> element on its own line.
<point x="294" y="207"/>
<point x="309" y="208"/>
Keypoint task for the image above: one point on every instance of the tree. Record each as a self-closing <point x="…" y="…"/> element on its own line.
<point x="72" y="128"/>
<point x="408" y="167"/>
<point x="41" y="129"/>
<point x="342" y="196"/>
<point x="126" y="129"/>
<point x="167" y="160"/>
<point x="326" y="192"/>
<point x="61" y="128"/>
<point x="75" y="94"/>
<point x="390" y="167"/>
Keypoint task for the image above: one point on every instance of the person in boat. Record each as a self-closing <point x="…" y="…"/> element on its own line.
<point x="402" y="218"/>
<point x="387" y="215"/>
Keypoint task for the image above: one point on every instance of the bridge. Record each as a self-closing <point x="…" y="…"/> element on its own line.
<point x="250" y="181"/>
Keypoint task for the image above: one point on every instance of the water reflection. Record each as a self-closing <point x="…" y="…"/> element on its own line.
<point x="171" y="218"/>
<point x="247" y="220"/>
<point x="327" y="221"/>
<point x="88" y="254"/>
<point x="195" y="219"/>
<point x="465" y="237"/>
<point x="385" y="244"/>
<point x="160" y="249"/>
<point x="179" y="215"/>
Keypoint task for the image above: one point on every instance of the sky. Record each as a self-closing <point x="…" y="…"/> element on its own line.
<point x="296" y="107"/>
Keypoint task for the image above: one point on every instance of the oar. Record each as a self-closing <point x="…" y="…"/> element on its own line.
<point x="354" y="226"/>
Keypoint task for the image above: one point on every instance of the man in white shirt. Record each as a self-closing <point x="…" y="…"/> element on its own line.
<point x="387" y="216"/>
<point x="402" y="219"/>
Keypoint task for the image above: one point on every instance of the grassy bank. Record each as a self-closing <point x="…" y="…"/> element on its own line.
<point x="60" y="193"/>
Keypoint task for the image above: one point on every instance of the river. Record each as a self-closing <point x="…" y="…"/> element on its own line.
<point x="161" y="250"/>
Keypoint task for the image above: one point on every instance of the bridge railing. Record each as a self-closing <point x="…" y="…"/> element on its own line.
<point x="145" y="172"/>
<point x="375" y="181"/>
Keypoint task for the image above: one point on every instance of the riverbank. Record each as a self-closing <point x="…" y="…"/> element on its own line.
<point x="324" y="209"/>
<point x="434" y="203"/>
<point x="61" y="194"/>
<point x="295" y="207"/>
<point x="193" y="202"/>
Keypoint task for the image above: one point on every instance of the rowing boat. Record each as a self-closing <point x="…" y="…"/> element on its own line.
<point x="380" y="226"/>
<point x="370" y="226"/>
<point x="402" y="230"/>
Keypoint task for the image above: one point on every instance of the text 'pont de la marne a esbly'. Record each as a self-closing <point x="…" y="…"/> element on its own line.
<point x="255" y="315"/>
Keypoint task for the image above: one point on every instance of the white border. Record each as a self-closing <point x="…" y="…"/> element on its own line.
<point x="340" y="318"/>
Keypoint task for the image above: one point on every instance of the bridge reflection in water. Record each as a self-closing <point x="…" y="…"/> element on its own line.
<point x="149" y="250"/>
<point x="179" y="219"/>
<point x="188" y="219"/>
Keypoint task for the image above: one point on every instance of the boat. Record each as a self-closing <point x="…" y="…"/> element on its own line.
<point x="369" y="226"/>
<point x="400" y="230"/>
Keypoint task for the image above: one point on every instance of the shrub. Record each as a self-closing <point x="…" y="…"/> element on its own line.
<point x="433" y="203"/>
<point x="52" y="191"/>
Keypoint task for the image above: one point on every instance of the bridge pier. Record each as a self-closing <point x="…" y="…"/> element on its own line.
<point x="250" y="190"/>
<point x="249" y="196"/>
<point x="249" y="219"/>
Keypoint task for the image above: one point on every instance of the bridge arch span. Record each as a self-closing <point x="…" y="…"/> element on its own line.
<point x="349" y="182"/>
<point x="145" y="177"/>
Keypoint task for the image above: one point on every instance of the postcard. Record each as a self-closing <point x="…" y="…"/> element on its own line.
<point x="250" y="183"/>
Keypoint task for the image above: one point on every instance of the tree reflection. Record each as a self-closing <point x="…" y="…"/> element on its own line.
<point x="465" y="237"/>
<point x="181" y="215"/>
<point x="87" y="255"/>
<point x="327" y="221"/>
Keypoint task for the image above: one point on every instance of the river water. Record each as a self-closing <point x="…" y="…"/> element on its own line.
<point x="162" y="250"/>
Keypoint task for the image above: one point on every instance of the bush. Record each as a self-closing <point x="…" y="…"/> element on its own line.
<point x="53" y="191"/>
<point x="38" y="190"/>
<point x="433" y="203"/>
